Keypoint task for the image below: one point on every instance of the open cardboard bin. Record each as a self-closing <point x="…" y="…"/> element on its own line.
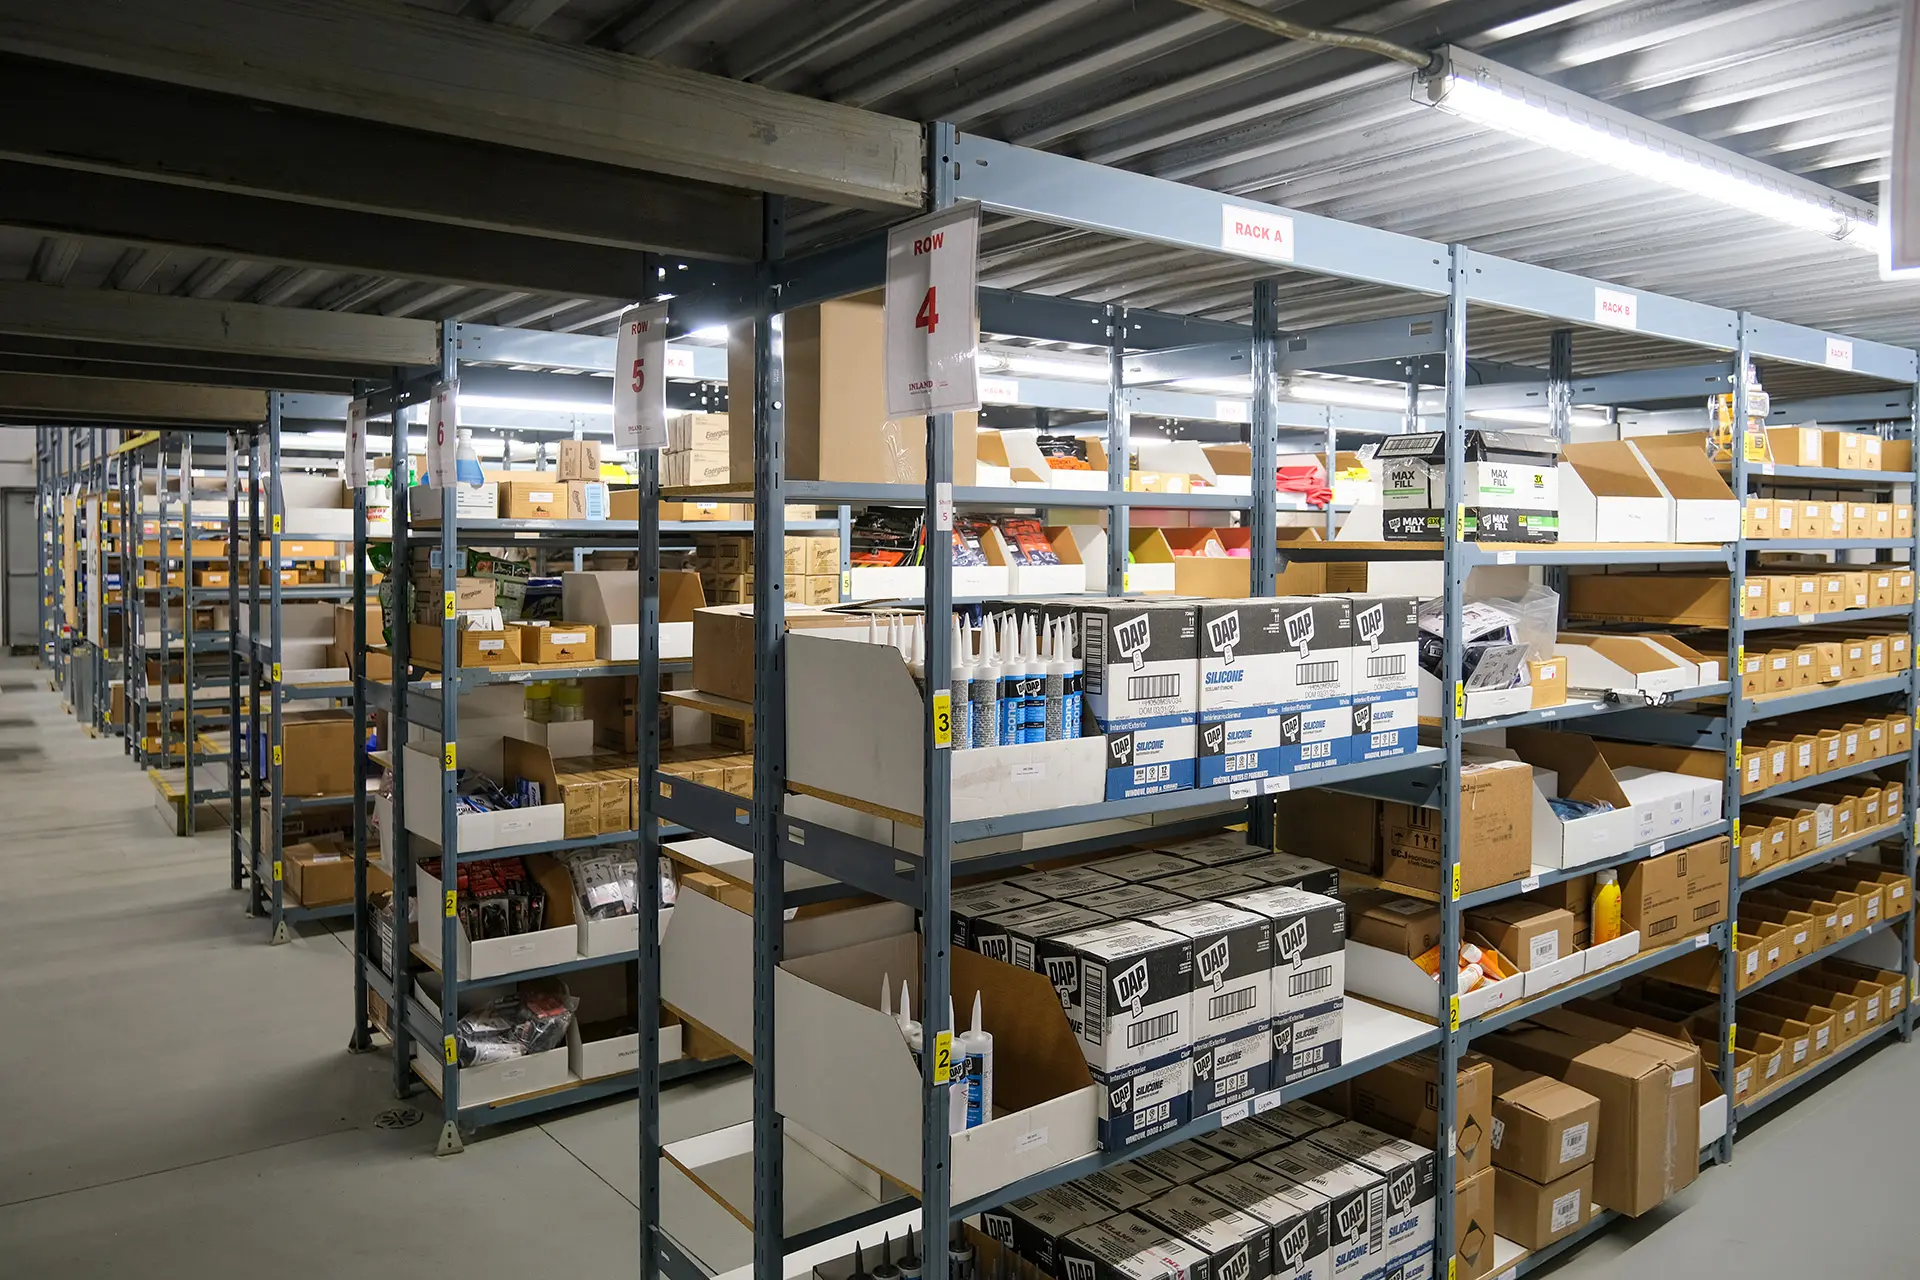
<point x="875" y="759"/>
<point x="484" y="958"/>
<point x="1704" y="508"/>
<point x="1572" y="767"/>
<point x="610" y="603"/>
<point x="488" y="1082"/>
<point x="1482" y="704"/>
<point x="1012" y="459"/>
<point x="477" y="832"/>
<point x="1150" y="566"/>
<point x="1393" y="977"/>
<point x="1069" y="577"/>
<point x="596" y="1044"/>
<point x="1623" y="664"/>
<point x="1607" y="494"/>
<point x="475" y="648"/>
<point x="826" y="1014"/>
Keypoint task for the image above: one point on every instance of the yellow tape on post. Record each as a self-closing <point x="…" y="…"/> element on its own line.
<point x="448" y="603"/>
<point x="452" y="901"/>
<point x="450" y="1052"/>
<point x="451" y="756"/>
<point x="276" y="523"/>
<point x="943" y="1058"/>
<point x="943" y="719"/>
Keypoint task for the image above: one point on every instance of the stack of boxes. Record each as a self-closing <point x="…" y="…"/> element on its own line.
<point x="1194" y="976"/>
<point x="727" y="571"/>
<point x="1509" y="487"/>
<point x="697" y="451"/>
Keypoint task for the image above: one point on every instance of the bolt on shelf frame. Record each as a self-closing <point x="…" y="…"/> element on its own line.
<point x="1057" y="190"/>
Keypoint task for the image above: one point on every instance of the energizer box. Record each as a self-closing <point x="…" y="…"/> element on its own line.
<point x="1136" y="992"/>
<point x="1143" y="1101"/>
<point x="1238" y="1246"/>
<point x="1300" y="1220"/>
<point x="1409" y="1171"/>
<point x="1010" y="936"/>
<point x="1032" y="1225"/>
<point x="1144" y="865"/>
<point x="1185" y="1162"/>
<point x="1216" y="850"/>
<point x="1289" y="871"/>
<point x="1140" y="663"/>
<point x="975" y="903"/>
<point x="1383" y="676"/>
<point x="1126" y="1247"/>
<point x="1064" y="882"/>
<point x="1210" y="883"/>
<point x="1122" y="1186"/>
<point x="1149" y="759"/>
<point x="1316" y="712"/>
<point x="1129" y="901"/>
<point x="1237" y="746"/>
<point x="1357" y="1203"/>
<point x="1232" y="967"/>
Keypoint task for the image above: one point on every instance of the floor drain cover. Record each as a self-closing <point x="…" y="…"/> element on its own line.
<point x="397" y="1118"/>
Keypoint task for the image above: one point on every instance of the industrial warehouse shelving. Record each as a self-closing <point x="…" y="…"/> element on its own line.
<point x="1477" y="289"/>
<point x="79" y="602"/>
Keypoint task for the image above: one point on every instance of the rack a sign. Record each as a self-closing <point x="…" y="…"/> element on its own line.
<point x="933" y="338"/>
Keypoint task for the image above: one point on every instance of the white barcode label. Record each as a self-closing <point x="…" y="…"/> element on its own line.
<point x="1505" y="557"/>
<point x="1242" y="790"/>
<point x="1158" y="1027"/>
<point x="1230" y="1003"/>
<point x="1530" y="884"/>
<point x="1681" y="1079"/>
<point x="1573" y="1143"/>
<point x="1031" y="1139"/>
<point x="1309" y="981"/>
<point x="1544" y="949"/>
<point x="1266" y="1102"/>
<point x="492" y="646"/>
<point x="1270" y="786"/>
<point x="567" y="637"/>
<point x="1499" y="1132"/>
<point x="1566" y="1209"/>
<point x="1657" y="848"/>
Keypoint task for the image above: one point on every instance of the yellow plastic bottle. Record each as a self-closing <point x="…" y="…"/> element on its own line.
<point x="1606" y="907"/>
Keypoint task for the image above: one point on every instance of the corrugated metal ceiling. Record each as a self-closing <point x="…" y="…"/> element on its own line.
<point x="1156" y="86"/>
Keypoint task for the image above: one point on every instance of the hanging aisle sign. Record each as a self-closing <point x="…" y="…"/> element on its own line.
<point x="354" y="463"/>
<point x="640" y="378"/>
<point x="443" y="433"/>
<point x="933" y="338"/>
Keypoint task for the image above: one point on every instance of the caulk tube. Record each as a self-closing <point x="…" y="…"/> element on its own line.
<point x="1076" y="682"/>
<point x="960" y="690"/>
<point x="957" y="1086"/>
<point x="1034" y="682"/>
<point x="910" y="1264"/>
<point x="978" y="1046"/>
<point x="985" y="691"/>
<point x="1056" y="688"/>
<point x="959" y="1255"/>
<point x="909" y="1029"/>
<point x="917" y="653"/>
<point x="1012" y="716"/>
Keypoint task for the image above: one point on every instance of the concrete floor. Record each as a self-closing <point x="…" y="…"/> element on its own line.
<point x="175" y="1096"/>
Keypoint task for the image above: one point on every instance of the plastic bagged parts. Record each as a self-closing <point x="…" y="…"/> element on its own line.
<point x="514" y="1026"/>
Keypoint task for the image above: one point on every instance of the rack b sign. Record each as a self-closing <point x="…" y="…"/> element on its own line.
<point x="933" y="341"/>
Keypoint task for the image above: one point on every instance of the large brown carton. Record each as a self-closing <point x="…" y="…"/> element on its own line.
<point x="1630" y="1164"/>
<point x="1529" y="934"/>
<point x="318" y="755"/>
<point x="838" y="427"/>
<point x="1399" y="1098"/>
<point x="1496" y="831"/>
<point x="723" y="643"/>
<point x="320" y="873"/>
<point x="1533" y="1216"/>
<point x="1543" y="1129"/>
<point x="1474" y="1226"/>
<point x="1678" y="894"/>
<point x="1334" y="827"/>
<point x="1682" y="1059"/>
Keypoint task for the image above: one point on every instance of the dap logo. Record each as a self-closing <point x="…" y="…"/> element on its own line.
<point x="1290" y="944"/>
<point x="1400" y="1191"/>
<point x="1363" y="718"/>
<point x="1203" y="1066"/>
<point x="1120" y="1098"/>
<point x="1223" y="633"/>
<point x="1212" y="963"/>
<point x="1300" y="629"/>
<point x="1130" y="986"/>
<point x="1290" y="1250"/>
<point x="1282" y="1040"/>
<point x="1079" y="1268"/>
<point x="1064" y="973"/>
<point x="997" y="946"/>
<point x="1130" y="639"/>
<point x="999" y="1228"/>
<point x="1120" y="750"/>
<point x="1213" y="740"/>
<point x="1351" y="1221"/>
<point x="1290" y="729"/>
<point x="1370" y="624"/>
<point x="1238" y="1267"/>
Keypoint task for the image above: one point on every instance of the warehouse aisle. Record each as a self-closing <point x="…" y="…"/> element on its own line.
<point x="175" y="1095"/>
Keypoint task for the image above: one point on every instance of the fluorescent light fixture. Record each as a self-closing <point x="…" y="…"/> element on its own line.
<point x="1498" y="97"/>
<point x="1215" y="386"/>
<point x="1539" y="417"/>
<point x="712" y="333"/>
<point x="1348" y="395"/>
<point x="604" y="408"/>
<point x="1037" y="367"/>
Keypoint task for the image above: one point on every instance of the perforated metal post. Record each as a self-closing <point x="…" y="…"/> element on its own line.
<point x="646" y="720"/>
<point x="361" y="1040"/>
<point x="1119" y="431"/>
<point x="1263" y="435"/>
<point x="1736" y="724"/>
<point x="237" y="564"/>
<point x="398" y="617"/>
<point x="1910" y="836"/>
<point x="448" y="922"/>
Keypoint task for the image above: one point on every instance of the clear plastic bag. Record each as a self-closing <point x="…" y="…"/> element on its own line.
<point x="515" y="1026"/>
<point x="605" y="880"/>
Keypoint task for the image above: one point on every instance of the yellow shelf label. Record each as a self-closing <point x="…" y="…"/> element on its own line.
<point x="276" y="673"/>
<point x="846" y="583"/>
<point x="450" y="1052"/>
<point x="1456" y="882"/>
<point x="276" y="524"/>
<point x="1736" y="831"/>
<point x="276" y="868"/>
<point x="1459" y="700"/>
<point x="276" y="755"/>
<point x="453" y="899"/>
<point x="943" y="1058"/>
<point x="1453" y="1013"/>
<point x="447" y="603"/>
<point x="1731" y="1028"/>
<point x="1736" y="755"/>
<point x="943" y="719"/>
<point x="451" y="756"/>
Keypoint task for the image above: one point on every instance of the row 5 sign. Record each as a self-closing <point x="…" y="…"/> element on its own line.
<point x="640" y="378"/>
<point x="933" y="339"/>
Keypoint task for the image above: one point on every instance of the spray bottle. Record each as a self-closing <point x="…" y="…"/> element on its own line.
<point x="977" y="1047"/>
<point x="1606" y="907"/>
<point x="960" y="690"/>
<point x="466" y="461"/>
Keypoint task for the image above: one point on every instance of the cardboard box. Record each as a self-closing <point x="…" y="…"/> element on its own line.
<point x="1495" y="834"/>
<point x="1543" y="1128"/>
<point x="555" y="643"/>
<point x="1232" y="1242"/>
<point x="579" y="460"/>
<point x="318" y="757"/>
<point x="1510" y="486"/>
<point x="480" y="958"/>
<point x="1232" y="998"/>
<point x="542" y="498"/>
<point x="837" y="425"/>
<point x="1531" y="935"/>
<point x="1409" y="1171"/>
<point x="1386" y="934"/>
<point x="1400" y="1098"/>
<point x="319" y="873"/>
<point x="1678" y="894"/>
<point x="1298" y="1217"/>
<point x="1356" y="1198"/>
<point x="1308" y="976"/>
<point x="1607" y="494"/>
<point x="1533" y="1215"/>
<point x="1548" y="680"/>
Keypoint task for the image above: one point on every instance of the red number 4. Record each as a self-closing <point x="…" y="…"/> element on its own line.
<point x="928" y="317"/>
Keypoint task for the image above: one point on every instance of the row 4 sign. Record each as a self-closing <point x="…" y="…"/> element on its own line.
<point x="933" y="336"/>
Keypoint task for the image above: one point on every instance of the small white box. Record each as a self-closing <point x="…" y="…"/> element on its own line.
<point x="1482" y="704"/>
<point x="498" y="1081"/>
<point x="1663" y="803"/>
<point x="615" y="1055"/>
<point x="612" y="935"/>
<point x="1607" y="954"/>
<point x="1607" y="494"/>
<point x="1386" y="975"/>
<point x="1558" y="973"/>
<point x="476" y="832"/>
<point x="492" y="957"/>
<point x="1564" y="843"/>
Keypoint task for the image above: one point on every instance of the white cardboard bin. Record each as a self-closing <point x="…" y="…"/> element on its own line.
<point x="1607" y="494"/>
<point x="593" y="1059"/>
<point x="496" y="1081"/>
<point x="1386" y="975"/>
<point x="1548" y="976"/>
<point x="491" y="957"/>
<point x="477" y="832"/>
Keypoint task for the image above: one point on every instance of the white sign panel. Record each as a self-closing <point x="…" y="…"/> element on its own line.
<point x="1839" y="354"/>
<point x="443" y="434"/>
<point x="679" y="362"/>
<point x="933" y="340"/>
<point x="1615" y="309"/>
<point x="354" y="463"/>
<point x="640" y="378"/>
<point x="1256" y="233"/>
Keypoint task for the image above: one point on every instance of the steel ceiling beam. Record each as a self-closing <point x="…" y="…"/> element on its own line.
<point x="403" y="66"/>
<point x="107" y="207"/>
<point x="96" y="399"/>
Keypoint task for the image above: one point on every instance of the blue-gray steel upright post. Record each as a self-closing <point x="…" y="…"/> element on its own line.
<point x="276" y="764"/>
<point x="646" y="723"/>
<point x="449" y="923"/>
<point x="1736" y="718"/>
<point x="361" y="1041"/>
<point x="237" y="564"/>
<point x="1264" y="439"/>
<point x="1453" y="708"/>
<point x="1910" y="833"/>
<point x="1119" y="413"/>
<point x="256" y="749"/>
<point x="936" y="799"/>
<point x="398" y="617"/>
<point x="769" y="740"/>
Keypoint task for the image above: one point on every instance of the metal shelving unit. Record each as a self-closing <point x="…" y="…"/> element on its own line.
<point x="1050" y="189"/>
